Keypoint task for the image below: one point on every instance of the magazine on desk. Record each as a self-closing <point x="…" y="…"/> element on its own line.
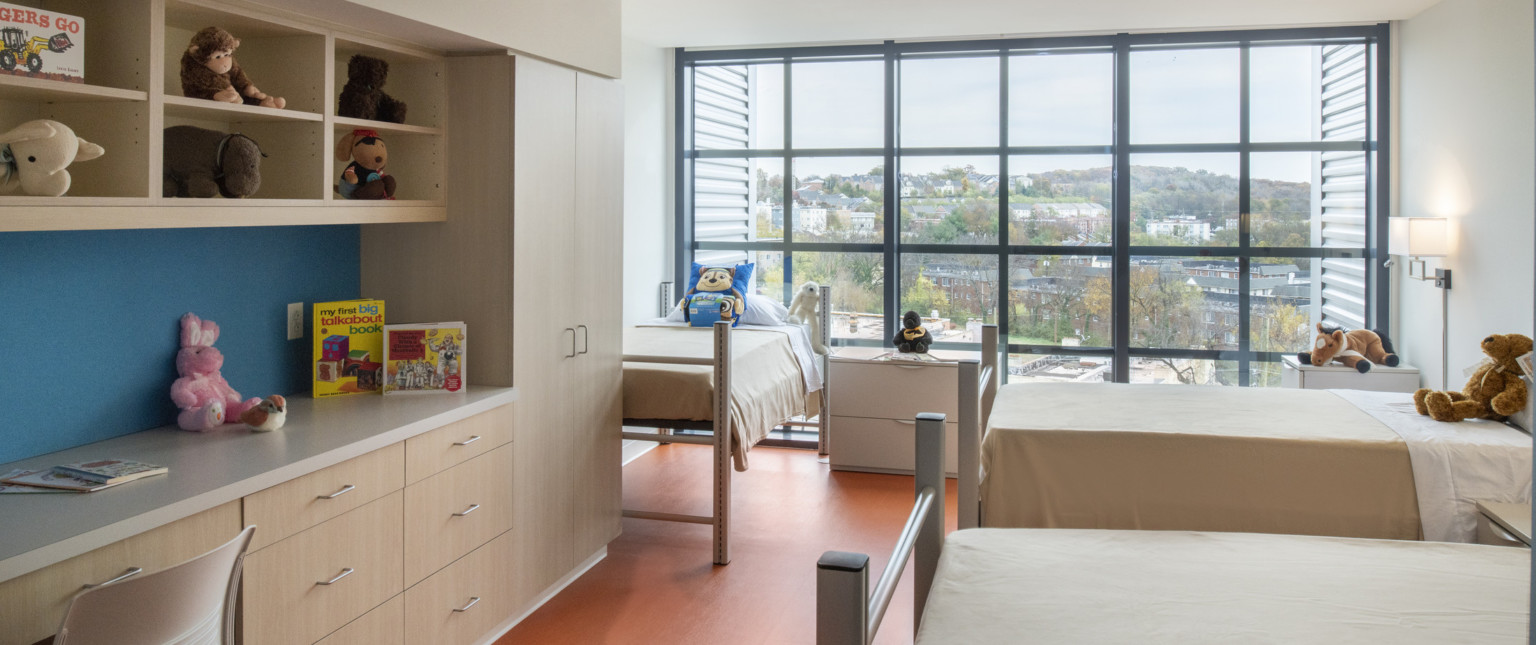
<point x="110" y="471"/>
<point x="51" y="480"/>
<point x="21" y="489"/>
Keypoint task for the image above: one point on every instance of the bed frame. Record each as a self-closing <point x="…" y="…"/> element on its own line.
<point x="847" y="613"/>
<point x="719" y="427"/>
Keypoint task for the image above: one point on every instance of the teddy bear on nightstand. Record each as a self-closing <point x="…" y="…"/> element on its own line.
<point x="1495" y="390"/>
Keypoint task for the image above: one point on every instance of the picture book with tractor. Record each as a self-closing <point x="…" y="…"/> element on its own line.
<point x="349" y="347"/>
<point x="426" y="357"/>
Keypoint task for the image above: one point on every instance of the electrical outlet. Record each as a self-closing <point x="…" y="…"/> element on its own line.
<point x="295" y="320"/>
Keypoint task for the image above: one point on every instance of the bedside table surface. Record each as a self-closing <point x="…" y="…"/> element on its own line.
<point x="1291" y="362"/>
<point x="1515" y="518"/>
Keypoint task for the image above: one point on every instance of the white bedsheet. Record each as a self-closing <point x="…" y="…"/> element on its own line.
<point x="799" y="341"/>
<point x="1454" y="464"/>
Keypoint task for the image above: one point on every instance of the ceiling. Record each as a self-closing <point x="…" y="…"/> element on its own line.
<point x="737" y="23"/>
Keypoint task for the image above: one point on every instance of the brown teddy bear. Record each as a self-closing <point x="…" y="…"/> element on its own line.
<point x="363" y="96"/>
<point x="364" y="178"/>
<point x="1495" y="390"/>
<point x="209" y="71"/>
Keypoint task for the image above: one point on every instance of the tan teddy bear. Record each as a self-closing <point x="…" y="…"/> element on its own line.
<point x="1495" y="391"/>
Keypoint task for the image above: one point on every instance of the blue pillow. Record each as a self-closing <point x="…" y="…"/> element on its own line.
<point x="741" y="282"/>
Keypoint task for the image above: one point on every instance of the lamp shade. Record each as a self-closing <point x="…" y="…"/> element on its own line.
<point x="1425" y="237"/>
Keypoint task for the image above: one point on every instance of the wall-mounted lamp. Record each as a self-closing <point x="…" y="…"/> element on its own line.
<point x="1419" y="238"/>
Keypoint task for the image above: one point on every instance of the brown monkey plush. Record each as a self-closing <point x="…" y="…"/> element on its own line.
<point x="209" y="71"/>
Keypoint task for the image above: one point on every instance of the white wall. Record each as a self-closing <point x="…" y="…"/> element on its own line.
<point x="1466" y="152"/>
<point x="648" y="173"/>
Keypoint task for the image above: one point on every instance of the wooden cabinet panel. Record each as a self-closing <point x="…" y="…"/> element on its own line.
<point x="863" y="389"/>
<point x="385" y="625"/>
<point x="285" y="600"/>
<point x="32" y="605"/>
<point x="598" y="404"/>
<point x="297" y="504"/>
<point x="456" y="443"/>
<point x="484" y="578"/>
<point x="885" y="445"/>
<point x="451" y="513"/>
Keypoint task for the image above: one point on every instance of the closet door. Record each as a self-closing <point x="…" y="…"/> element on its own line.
<point x="598" y="400"/>
<point x="547" y="290"/>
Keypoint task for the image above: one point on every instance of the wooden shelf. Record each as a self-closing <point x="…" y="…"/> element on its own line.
<point x="108" y="214"/>
<point x="191" y="108"/>
<point x="384" y="127"/>
<point x="21" y="88"/>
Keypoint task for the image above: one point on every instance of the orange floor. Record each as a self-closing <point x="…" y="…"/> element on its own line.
<point x="657" y="584"/>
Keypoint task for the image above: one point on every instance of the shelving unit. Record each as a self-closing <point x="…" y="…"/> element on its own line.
<point x="133" y="91"/>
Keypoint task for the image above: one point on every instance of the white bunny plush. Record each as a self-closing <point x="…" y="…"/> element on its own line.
<point x="34" y="156"/>
<point x="802" y="310"/>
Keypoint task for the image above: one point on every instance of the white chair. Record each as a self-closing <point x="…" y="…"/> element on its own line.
<point x="191" y="603"/>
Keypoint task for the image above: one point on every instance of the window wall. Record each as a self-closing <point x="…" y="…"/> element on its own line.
<point x="1161" y="208"/>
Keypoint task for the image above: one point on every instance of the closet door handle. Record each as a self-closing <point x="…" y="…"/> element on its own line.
<point x="573" y="343"/>
<point x="585" y="345"/>
<point x="131" y="572"/>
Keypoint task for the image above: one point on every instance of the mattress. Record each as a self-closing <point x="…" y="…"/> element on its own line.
<point x="1084" y="586"/>
<point x="768" y="384"/>
<point x="1175" y="457"/>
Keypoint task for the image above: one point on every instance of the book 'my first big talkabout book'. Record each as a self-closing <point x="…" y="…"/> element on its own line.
<point x="349" y="347"/>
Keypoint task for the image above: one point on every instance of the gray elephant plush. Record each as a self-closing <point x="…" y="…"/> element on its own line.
<point x="209" y="163"/>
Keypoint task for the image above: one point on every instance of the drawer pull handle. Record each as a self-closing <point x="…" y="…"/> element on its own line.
<point x="909" y="422"/>
<point x="472" y="508"/>
<point x="131" y="572"/>
<point x="910" y="367"/>
<point x="1503" y="534"/>
<point x="344" y="490"/>
<point x="472" y="602"/>
<point x="344" y="573"/>
<point x="468" y="441"/>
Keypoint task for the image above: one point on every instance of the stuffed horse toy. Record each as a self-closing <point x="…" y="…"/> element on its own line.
<point x="1358" y="349"/>
<point x="804" y="309"/>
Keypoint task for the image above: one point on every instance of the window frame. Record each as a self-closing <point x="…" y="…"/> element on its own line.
<point x="1374" y="147"/>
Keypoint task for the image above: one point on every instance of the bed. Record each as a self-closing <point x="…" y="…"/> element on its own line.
<point x="981" y="586"/>
<point x="736" y="383"/>
<point x="1171" y="457"/>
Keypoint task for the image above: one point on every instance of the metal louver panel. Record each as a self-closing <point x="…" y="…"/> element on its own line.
<point x="723" y="191"/>
<point x="1340" y="184"/>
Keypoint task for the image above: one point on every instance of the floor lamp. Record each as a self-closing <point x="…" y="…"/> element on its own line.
<point x="1427" y="237"/>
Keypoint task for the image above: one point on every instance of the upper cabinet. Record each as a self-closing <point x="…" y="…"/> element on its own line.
<point x="133" y="92"/>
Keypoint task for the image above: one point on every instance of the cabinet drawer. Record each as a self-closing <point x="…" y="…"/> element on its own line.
<point x="1488" y="532"/>
<point x="486" y="574"/>
<point x="295" y="505"/>
<point x="456" y="443"/>
<point x="885" y="445"/>
<point x="451" y="513"/>
<point x="285" y="600"/>
<point x="894" y="390"/>
<point x="32" y="605"/>
<point x="385" y="625"/>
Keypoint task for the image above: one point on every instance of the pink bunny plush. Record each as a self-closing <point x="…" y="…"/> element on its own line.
<point x="205" y="398"/>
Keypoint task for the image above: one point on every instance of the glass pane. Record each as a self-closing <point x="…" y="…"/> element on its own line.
<point x="1062" y="300"/>
<point x="1185" y="96"/>
<point x="1283" y="94"/>
<point x="1184" y="303"/>
<point x="1183" y="371"/>
<point x="767" y="106"/>
<point x="1058" y="368"/>
<point x="1057" y="199"/>
<point x="858" y="292"/>
<point x="959" y="291"/>
<point x="839" y="105"/>
<point x="768" y="277"/>
<point x="949" y="200"/>
<point x="738" y="200"/>
<point x="1184" y="199"/>
<point x="1061" y="99"/>
<point x="949" y="102"/>
<point x="839" y="199"/>
<point x="1280" y="196"/>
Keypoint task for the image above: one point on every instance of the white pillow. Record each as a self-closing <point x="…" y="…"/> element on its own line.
<point x="761" y="310"/>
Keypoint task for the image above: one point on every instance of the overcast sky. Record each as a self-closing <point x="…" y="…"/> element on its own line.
<point x="1187" y="96"/>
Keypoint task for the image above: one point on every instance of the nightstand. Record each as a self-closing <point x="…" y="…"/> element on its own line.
<point x="1294" y="373"/>
<point x="873" y="425"/>
<point x="1503" y="524"/>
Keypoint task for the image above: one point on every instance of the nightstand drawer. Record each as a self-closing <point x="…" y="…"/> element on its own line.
<point x="456" y="443"/>
<point x="1489" y="532"/>
<point x="894" y="389"/>
<point x="451" y="513"/>
<point x="295" y="505"/>
<point x="885" y="445"/>
<point x="311" y="584"/>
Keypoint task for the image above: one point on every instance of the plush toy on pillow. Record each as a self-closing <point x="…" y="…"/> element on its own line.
<point x="1358" y="349"/>
<point x="1495" y="390"/>
<point x="710" y="287"/>
<point x="205" y="398"/>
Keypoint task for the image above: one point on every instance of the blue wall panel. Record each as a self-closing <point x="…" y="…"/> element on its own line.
<point x="89" y="321"/>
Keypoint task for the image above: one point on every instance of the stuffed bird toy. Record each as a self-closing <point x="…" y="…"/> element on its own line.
<point x="268" y="415"/>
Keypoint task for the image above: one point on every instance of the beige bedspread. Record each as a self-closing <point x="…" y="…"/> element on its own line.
<point x="1042" y="587"/>
<point x="767" y="386"/>
<point x="1118" y="456"/>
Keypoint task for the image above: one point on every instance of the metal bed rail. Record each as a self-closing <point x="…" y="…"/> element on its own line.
<point x="978" y="388"/>
<point x="847" y="613"/>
